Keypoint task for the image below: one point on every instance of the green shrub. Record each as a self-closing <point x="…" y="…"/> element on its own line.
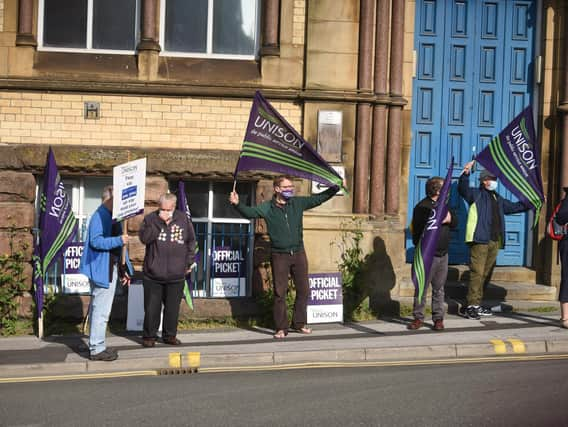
<point x="12" y="285"/>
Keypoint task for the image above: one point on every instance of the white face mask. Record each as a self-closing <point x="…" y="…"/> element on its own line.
<point x="492" y="186"/>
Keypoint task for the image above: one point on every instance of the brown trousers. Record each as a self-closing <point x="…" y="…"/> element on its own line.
<point x="296" y="266"/>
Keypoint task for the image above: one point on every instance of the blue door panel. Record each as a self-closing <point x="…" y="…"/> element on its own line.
<point x="474" y="62"/>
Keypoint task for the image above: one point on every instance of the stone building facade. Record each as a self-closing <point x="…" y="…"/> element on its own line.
<point x="186" y="112"/>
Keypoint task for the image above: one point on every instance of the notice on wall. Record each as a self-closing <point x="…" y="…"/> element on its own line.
<point x="325" y="298"/>
<point x="73" y="282"/>
<point x="228" y="272"/>
<point x="129" y="182"/>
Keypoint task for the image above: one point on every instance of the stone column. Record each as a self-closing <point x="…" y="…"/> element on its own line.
<point x="25" y="35"/>
<point x="395" y="111"/>
<point x="270" y="28"/>
<point x="362" y="148"/>
<point x="379" y="142"/>
<point x="148" y="48"/>
<point x="148" y="40"/>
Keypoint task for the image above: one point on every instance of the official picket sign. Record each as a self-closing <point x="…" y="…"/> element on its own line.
<point x="228" y="272"/>
<point x="129" y="182"/>
<point x="73" y="282"/>
<point x="325" y="298"/>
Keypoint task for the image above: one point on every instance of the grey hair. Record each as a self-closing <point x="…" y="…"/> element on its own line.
<point x="107" y="193"/>
<point x="168" y="197"/>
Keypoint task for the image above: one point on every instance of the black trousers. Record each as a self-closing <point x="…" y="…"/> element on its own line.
<point x="563" y="294"/>
<point x="295" y="265"/>
<point x="156" y="294"/>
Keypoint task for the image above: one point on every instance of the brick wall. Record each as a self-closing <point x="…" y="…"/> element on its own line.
<point x="298" y="30"/>
<point x="157" y="122"/>
<point x="1" y="15"/>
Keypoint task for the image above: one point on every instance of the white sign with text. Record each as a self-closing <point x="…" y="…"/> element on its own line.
<point x="129" y="182"/>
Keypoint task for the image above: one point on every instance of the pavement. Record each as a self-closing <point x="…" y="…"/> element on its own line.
<point x="387" y="340"/>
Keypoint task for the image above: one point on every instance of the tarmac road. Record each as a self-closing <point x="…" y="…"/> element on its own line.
<point x="527" y="393"/>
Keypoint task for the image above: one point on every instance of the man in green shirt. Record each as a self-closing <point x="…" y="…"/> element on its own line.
<point x="283" y="215"/>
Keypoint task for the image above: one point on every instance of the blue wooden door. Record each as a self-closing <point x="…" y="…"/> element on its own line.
<point x="473" y="75"/>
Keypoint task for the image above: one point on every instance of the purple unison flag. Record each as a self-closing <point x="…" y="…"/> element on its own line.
<point x="426" y="247"/>
<point x="272" y="144"/>
<point x="57" y="226"/>
<point x="513" y="157"/>
<point x="183" y="206"/>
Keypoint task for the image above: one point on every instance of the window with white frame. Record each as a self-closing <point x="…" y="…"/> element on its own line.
<point x="85" y="196"/>
<point x="210" y="28"/>
<point x="224" y="238"/>
<point x="96" y="26"/>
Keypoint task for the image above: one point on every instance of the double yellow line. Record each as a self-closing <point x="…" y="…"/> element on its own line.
<point x="500" y="349"/>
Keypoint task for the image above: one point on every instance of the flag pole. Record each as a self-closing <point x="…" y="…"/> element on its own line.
<point x="124" y="231"/>
<point x="40" y="326"/>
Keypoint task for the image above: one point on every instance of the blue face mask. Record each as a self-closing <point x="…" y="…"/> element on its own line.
<point x="287" y="194"/>
<point x="492" y="186"/>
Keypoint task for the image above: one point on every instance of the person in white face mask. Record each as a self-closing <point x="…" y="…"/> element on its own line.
<point x="485" y="233"/>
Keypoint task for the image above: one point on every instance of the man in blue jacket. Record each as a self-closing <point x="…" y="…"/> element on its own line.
<point x="100" y="263"/>
<point x="485" y="233"/>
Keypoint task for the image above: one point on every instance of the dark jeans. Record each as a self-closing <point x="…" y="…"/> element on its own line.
<point x="156" y="294"/>
<point x="563" y="295"/>
<point x="295" y="265"/>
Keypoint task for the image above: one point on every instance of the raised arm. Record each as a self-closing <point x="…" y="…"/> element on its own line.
<point x="246" y="211"/>
<point x="150" y="229"/>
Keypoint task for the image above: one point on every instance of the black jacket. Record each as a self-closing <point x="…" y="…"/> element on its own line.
<point x="169" y="247"/>
<point x="420" y="217"/>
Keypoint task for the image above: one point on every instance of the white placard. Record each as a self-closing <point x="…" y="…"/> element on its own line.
<point x="325" y="313"/>
<point x="75" y="283"/>
<point x="135" y="312"/>
<point x="129" y="182"/>
<point x="224" y="287"/>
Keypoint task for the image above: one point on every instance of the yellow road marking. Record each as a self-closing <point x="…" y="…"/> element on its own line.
<point x="499" y="346"/>
<point x="194" y="359"/>
<point x="174" y="360"/>
<point x="491" y="359"/>
<point x="518" y="345"/>
<point x="78" y="377"/>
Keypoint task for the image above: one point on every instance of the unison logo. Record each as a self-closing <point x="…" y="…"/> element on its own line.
<point x="524" y="147"/>
<point x="278" y="131"/>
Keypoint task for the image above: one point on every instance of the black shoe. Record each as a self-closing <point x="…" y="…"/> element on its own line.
<point x="483" y="311"/>
<point x="472" y="312"/>
<point x="105" y="356"/>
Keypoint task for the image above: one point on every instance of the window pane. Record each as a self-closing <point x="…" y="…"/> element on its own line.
<point x="65" y="23"/>
<point x="93" y="192"/>
<point x="186" y="26"/>
<point x="234" y="24"/>
<point x="114" y="24"/>
<point x="221" y="206"/>
<point x="197" y="194"/>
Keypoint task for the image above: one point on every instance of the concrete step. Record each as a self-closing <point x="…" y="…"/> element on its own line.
<point x="496" y="291"/>
<point x="460" y="273"/>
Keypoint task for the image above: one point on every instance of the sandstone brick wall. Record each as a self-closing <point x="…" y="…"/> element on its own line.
<point x="298" y="31"/>
<point x="1" y="15"/>
<point x="157" y="122"/>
